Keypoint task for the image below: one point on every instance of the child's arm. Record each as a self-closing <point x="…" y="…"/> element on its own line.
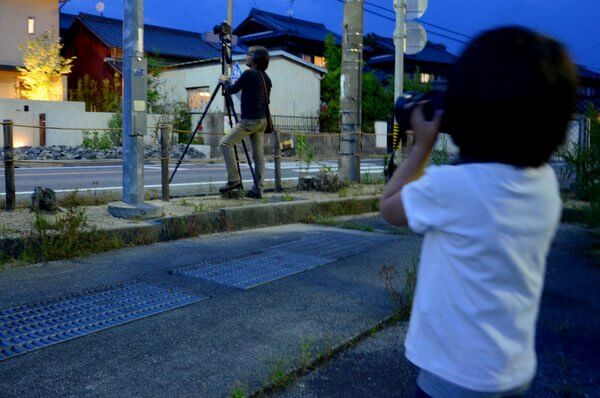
<point x="390" y="205"/>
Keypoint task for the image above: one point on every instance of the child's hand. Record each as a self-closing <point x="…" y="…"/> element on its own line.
<point x="426" y="132"/>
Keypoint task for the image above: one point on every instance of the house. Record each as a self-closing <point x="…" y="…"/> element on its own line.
<point x="21" y="20"/>
<point x="296" y="84"/>
<point x="433" y="63"/>
<point x="299" y="37"/>
<point x="589" y="88"/>
<point x="96" y="41"/>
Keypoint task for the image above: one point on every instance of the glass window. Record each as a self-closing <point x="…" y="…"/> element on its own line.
<point x="319" y="61"/>
<point x="198" y="98"/>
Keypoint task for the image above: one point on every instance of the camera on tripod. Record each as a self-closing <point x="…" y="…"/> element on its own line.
<point x="223" y="30"/>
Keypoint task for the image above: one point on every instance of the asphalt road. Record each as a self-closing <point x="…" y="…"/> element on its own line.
<point x="109" y="178"/>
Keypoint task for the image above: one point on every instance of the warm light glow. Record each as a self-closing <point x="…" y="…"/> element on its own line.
<point x="19" y="141"/>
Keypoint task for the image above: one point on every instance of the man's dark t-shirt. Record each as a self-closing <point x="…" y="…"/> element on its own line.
<point x="254" y="102"/>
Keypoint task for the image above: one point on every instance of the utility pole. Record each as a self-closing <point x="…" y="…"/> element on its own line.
<point x="399" y="40"/>
<point x="134" y="116"/>
<point x="351" y="90"/>
<point x="230" y="23"/>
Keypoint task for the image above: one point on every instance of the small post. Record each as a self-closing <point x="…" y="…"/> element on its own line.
<point x="277" y="161"/>
<point x="42" y="129"/>
<point x="9" y="165"/>
<point x="165" y="133"/>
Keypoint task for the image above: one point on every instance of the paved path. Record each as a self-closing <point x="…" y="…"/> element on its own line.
<point x="567" y="338"/>
<point x="204" y="349"/>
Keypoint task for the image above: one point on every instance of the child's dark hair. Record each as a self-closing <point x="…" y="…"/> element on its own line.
<point x="260" y="57"/>
<point x="510" y="97"/>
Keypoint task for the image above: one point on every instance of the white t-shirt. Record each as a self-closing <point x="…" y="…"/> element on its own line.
<point x="488" y="229"/>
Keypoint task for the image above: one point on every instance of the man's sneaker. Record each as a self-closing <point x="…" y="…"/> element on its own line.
<point x="230" y="186"/>
<point x="254" y="194"/>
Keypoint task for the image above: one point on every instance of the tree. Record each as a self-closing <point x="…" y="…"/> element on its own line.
<point x="106" y="98"/>
<point x="44" y="67"/>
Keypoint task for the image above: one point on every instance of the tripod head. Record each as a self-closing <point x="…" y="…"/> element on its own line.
<point x="225" y="37"/>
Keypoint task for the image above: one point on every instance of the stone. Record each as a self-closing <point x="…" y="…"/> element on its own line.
<point x="43" y="199"/>
<point x="327" y="181"/>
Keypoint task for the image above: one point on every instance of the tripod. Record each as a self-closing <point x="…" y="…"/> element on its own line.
<point x="229" y="106"/>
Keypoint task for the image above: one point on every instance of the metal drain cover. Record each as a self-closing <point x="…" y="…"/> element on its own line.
<point x="32" y="326"/>
<point x="282" y="260"/>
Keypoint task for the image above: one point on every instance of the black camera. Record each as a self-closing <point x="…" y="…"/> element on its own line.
<point x="223" y="30"/>
<point x="405" y="105"/>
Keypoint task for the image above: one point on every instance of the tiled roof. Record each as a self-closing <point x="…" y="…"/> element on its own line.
<point x="277" y="24"/>
<point x="433" y="53"/>
<point x="586" y="73"/>
<point x="163" y="41"/>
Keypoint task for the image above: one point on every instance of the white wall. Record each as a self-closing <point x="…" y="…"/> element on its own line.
<point x="63" y="114"/>
<point x="296" y="87"/>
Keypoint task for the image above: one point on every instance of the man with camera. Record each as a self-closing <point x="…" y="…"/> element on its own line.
<point x="255" y="85"/>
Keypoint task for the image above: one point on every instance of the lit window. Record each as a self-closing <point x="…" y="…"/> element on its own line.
<point x="319" y="61"/>
<point x="426" y="77"/>
<point x="31" y="25"/>
<point x="198" y="98"/>
<point x="307" y="57"/>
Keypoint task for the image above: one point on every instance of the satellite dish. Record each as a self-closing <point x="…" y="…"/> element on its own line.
<point x="100" y="7"/>
<point x="416" y="38"/>
<point x="415" y="8"/>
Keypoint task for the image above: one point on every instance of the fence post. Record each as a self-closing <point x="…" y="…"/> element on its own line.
<point x="42" y="129"/>
<point x="9" y="165"/>
<point x="164" y="160"/>
<point x="277" y="161"/>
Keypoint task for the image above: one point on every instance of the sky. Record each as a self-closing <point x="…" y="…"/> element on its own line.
<point x="574" y="22"/>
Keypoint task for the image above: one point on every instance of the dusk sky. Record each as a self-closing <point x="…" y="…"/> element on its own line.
<point x="574" y="22"/>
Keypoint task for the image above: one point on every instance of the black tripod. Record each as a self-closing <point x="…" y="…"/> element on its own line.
<point x="225" y="37"/>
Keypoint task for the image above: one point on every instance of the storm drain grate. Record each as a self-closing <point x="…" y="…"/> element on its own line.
<point x="32" y="326"/>
<point x="282" y="260"/>
<point x="254" y="270"/>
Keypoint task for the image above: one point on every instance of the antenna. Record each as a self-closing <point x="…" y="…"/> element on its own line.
<point x="290" y="7"/>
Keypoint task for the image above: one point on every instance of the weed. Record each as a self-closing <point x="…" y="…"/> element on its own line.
<point x="286" y="197"/>
<point x="306" y="353"/>
<point x="367" y="178"/>
<point x="239" y="391"/>
<point x="278" y="376"/>
<point x="200" y="208"/>
<point x="185" y="203"/>
<point x="265" y="200"/>
<point x="357" y="227"/>
<point x="401" y="292"/>
<point x="342" y="193"/>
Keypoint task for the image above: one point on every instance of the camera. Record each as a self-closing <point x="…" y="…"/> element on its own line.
<point x="223" y="30"/>
<point x="406" y="104"/>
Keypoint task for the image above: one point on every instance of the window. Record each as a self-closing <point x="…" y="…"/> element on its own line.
<point x="426" y="77"/>
<point x="198" y="98"/>
<point x="307" y="57"/>
<point x="319" y="61"/>
<point x="31" y="25"/>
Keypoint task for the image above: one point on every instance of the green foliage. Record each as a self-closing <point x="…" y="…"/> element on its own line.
<point x="97" y="140"/>
<point x="304" y="151"/>
<point x="442" y="155"/>
<point x="377" y="102"/>
<point x="69" y="235"/>
<point x="115" y="124"/>
<point x="583" y="161"/>
<point x="44" y="67"/>
<point x="329" y="115"/>
<point x="106" y="98"/>
<point x="154" y="84"/>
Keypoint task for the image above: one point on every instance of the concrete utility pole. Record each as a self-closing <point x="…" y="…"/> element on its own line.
<point x="134" y="116"/>
<point x="351" y="90"/>
<point x="399" y="40"/>
<point x="230" y="23"/>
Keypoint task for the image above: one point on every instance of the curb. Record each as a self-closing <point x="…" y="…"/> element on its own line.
<point x="222" y="220"/>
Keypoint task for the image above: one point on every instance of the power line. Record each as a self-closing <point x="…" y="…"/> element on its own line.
<point x="421" y="21"/>
<point x="431" y="32"/>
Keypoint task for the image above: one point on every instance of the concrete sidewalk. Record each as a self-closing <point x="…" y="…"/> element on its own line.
<point x="234" y="337"/>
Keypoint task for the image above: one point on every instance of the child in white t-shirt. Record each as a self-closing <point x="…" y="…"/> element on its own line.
<point x="488" y="220"/>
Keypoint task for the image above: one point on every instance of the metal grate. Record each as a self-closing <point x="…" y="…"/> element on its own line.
<point x="282" y="260"/>
<point x="32" y="326"/>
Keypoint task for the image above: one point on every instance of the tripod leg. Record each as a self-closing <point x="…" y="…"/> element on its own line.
<point x="198" y="126"/>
